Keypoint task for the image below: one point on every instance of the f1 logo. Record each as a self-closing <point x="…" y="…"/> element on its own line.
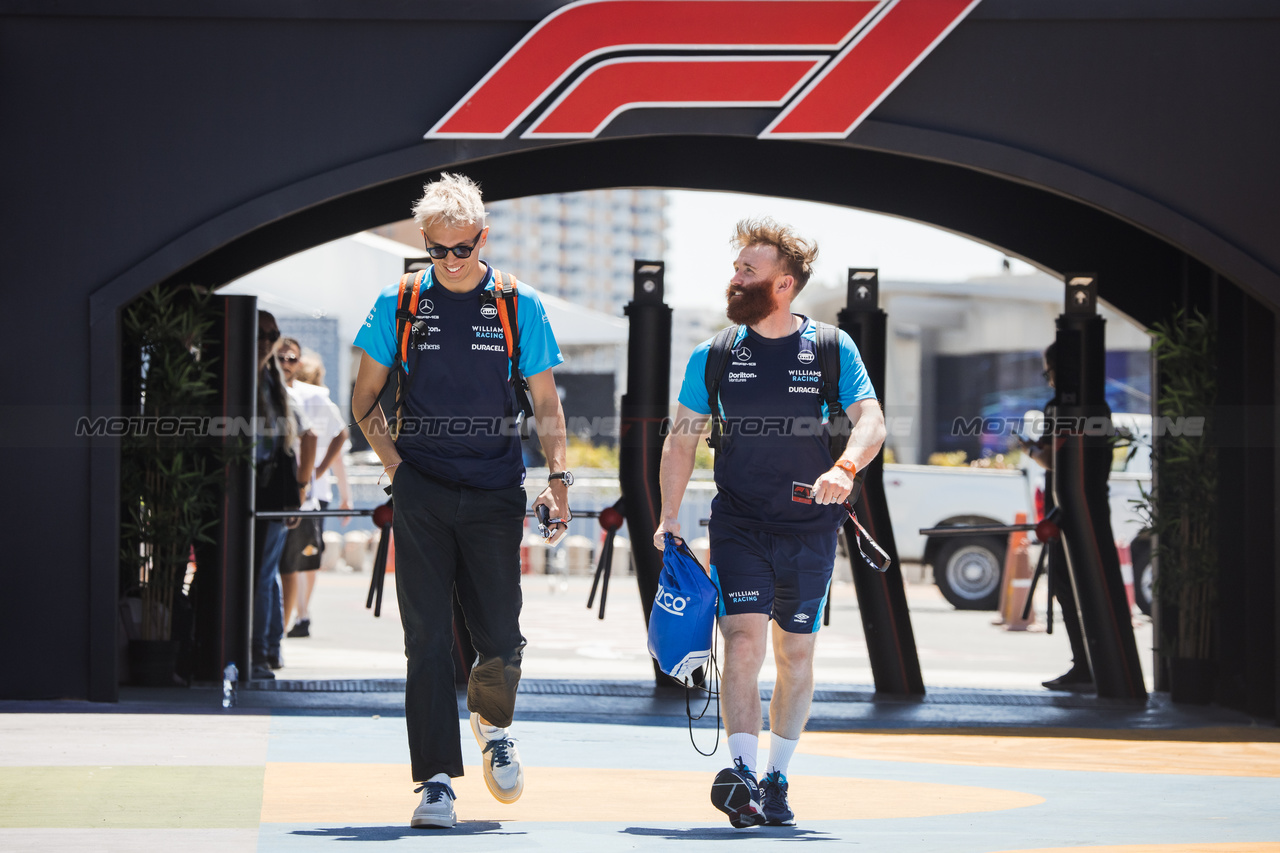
<point x="826" y="64"/>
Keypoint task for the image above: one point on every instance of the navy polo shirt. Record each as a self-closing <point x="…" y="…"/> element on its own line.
<point x="459" y="408"/>
<point x="774" y="414"/>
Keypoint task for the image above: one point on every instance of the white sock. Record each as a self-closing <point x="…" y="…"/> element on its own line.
<point x="744" y="746"/>
<point x="780" y="750"/>
<point x="443" y="778"/>
<point x="489" y="732"/>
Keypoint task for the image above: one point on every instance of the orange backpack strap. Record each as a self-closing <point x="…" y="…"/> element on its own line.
<point x="507" y="292"/>
<point x="508" y="302"/>
<point x="410" y="290"/>
<point x="406" y="310"/>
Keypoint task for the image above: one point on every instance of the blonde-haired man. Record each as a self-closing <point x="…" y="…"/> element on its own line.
<point x="772" y="550"/>
<point x="457" y="478"/>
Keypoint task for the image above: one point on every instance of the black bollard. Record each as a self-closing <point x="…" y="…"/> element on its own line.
<point x="645" y="409"/>
<point x="1081" y="463"/>
<point x="882" y="597"/>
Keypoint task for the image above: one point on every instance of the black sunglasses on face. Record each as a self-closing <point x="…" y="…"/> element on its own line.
<point x="271" y="336"/>
<point x="442" y="252"/>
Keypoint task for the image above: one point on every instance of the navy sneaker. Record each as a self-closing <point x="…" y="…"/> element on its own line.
<point x="736" y="794"/>
<point x="773" y="800"/>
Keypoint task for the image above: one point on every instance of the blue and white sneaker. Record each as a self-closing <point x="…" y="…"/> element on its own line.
<point x="735" y="793"/>
<point x="502" y="771"/>
<point x="436" y="808"/>
<point x="773" y="800"/>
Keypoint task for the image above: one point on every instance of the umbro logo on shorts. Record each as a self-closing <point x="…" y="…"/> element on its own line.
<point x="801" y="618"/>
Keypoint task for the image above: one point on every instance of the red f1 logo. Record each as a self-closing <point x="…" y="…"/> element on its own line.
<point x="825" y="63"/>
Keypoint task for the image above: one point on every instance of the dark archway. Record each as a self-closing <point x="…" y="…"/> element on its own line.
<point x="1124" y="137"/>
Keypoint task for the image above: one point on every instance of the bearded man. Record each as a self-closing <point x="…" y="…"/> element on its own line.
<point x="771" y="554"/>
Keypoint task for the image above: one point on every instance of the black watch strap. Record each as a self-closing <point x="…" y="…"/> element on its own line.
<point x="567" y="476"/>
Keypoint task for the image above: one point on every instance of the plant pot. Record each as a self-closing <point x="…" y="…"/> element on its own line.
<point x="151" y="662"/>
<point x="1192" y="680"/>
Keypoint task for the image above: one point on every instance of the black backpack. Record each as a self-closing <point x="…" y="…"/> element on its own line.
<point x="828" y="339"/>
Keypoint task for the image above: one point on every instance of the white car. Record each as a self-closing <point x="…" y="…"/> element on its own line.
<point x="968" y="569"/>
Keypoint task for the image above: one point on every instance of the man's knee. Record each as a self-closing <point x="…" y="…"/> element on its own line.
<point x="793" y="655"/>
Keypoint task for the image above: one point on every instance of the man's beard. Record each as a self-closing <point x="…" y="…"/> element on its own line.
<point x="754" y="304"/>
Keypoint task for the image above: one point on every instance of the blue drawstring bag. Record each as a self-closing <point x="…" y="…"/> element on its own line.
<point x="684" y="613"/>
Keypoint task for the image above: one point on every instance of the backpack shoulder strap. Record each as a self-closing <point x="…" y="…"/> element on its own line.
<point x="828" y="338"/>
<point x="406" y="309"/>
<point x="717" y="360"/>
<point x="507" y="297"/>
<point x="506" y="291"/>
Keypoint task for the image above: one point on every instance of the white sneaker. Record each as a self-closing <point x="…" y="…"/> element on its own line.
<point x="436" y="808"/>
<point x="502" y="771"/>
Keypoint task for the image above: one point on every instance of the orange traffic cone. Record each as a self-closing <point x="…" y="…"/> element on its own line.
<point x="1017" y="581"/>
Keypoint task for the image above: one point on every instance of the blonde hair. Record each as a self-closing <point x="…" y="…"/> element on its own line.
<point x="310" y="369"/>
<point x="453" y="200"/>
<point x="795" y="253"/>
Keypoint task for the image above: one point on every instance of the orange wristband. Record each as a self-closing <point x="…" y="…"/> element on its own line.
<point x="848" y="467"/>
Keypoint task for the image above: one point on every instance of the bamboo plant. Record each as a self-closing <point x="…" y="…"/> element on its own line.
<point x="1181" y="508"/>
<point x="169" y="483"/>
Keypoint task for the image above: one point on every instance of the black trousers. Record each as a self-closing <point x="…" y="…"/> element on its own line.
<point x="450" y="536"/>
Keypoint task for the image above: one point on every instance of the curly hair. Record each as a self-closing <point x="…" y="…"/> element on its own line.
<point x="795" y="252"/>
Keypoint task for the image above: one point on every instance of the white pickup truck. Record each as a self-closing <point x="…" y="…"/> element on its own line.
<point x="968" y="570"/>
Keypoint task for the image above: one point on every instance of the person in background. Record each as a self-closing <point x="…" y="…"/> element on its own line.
<point x="280" y="486"/>
<point x="1079" y="678"/>
<point x="305" y="373"/>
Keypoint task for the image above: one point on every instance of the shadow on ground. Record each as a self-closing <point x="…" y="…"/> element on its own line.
<point x="394" y="833"/>
<point x="727" y="833"/>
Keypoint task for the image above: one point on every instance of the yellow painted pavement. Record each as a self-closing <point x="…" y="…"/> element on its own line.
<point x="368" y="793"/>
<point x="131" y="797"/>
<point x="1201" y="752"/>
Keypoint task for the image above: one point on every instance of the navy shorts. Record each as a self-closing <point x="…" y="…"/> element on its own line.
<point x="784" y="576"/>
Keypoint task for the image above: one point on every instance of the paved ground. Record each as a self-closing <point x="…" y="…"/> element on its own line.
<point x="956" y="648"/>
<point x="321" y="760"/>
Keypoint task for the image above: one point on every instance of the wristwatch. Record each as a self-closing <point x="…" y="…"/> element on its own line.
<point x="848" y="467"/>
<point x="567" y="476"/>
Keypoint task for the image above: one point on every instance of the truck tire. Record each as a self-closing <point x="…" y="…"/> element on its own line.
<point x="1143" y="576"/>
<point x="968" y="572"/>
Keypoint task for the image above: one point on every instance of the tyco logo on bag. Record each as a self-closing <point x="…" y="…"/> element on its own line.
<point x="673" y="604"/>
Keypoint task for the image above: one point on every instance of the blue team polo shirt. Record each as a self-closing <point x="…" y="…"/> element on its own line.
<point x="459" y="409"/>
<point x="773" y="410"/>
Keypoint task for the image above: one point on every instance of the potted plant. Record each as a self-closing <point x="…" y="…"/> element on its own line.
<point x="1180" y="509"/>
<point x="171" y="475"/>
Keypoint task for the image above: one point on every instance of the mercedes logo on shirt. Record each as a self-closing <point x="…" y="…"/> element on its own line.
<point x="425" y="307"/>
<point x="743" y="354"/>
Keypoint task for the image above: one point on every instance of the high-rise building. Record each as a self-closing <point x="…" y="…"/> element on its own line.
<point x="578" y="246"/>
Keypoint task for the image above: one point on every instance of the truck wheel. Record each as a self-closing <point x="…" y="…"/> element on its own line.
<point x="1143" y="581"/>
<point x="968" y="572"/>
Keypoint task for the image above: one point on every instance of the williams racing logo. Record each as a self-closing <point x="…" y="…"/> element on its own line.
<point x="823" y="65"/>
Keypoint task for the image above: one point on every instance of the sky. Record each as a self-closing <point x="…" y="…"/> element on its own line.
<point x="700" y="259"/>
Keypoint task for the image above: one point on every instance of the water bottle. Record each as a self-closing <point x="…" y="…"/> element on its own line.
<point x="229" y="677"/>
